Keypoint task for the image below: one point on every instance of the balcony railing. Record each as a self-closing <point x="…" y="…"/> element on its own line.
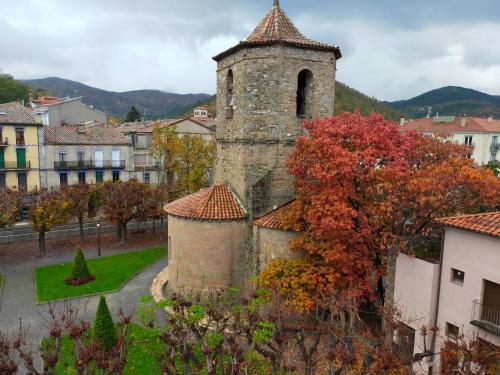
<point x="494" y="147"/>
<point x="146" y="166"/>
<point x="485" y="317"/>
<point x="4" y="142"/>
<point x="88" y="164"/>
<point x="14" y="165"/>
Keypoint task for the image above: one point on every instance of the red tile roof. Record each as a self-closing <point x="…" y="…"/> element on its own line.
<point x="277" y="28"/>
<point x="71" y="135"/>
<point x="471" y="124"/>
<point x="216" y="203"/>
<point x="488" y="223"/>
<point x="16" y="113"/>
<point x="275" y="219"/>
<point x="45" y="100"/>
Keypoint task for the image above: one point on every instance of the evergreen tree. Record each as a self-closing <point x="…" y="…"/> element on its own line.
<point x="80" y="269"/>
<point x="104" y="329"/>
<point x="133" y="115"/>
<point x="12" y="90"/>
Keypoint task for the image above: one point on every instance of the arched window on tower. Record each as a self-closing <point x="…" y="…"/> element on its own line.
<point x="305" y="94"/>
<point x="229" y="94"/>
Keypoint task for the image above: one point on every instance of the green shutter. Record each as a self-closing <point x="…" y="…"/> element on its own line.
<point x="2" y="158"/>
<point x="99" y="178"/>
<point x="21" y="158"/>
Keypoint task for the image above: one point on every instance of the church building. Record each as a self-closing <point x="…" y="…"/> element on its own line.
<point x="267" y="86"/>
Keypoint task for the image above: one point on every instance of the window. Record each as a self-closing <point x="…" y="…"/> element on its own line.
<point x="99" y="158"/>
<point x="22" y="181"/>
<point x="491" y="302"/>
<point x="80" y="157"/>
<point x="3" y="182"/>
<point x="2" y="158"/>
<point x="99" y="177"/>
<point x="116" y="176"/>
<point x="494" y="140"/>
<point x="147" y="178"/>
<point x="452" y="330"/>
<point x="115" y="156"/>
<point x="63" y="179"/>
<point x="19" y="136"/>
<point x="1" y="136"/>
<point x="304" y="94"/>
<point x="468" y="140"/>
<point x="229" y="94"/>
<point x="21" y="158"/>
<point x="63" y="160"/>
<point x="457" y="276"/>
<point x="82" y="178"/>
<point x="140" y="160"/>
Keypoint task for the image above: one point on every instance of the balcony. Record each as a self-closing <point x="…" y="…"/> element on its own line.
<point x="15" y="166"/>
<point x="4" y="142"/>
<point x="494" y="147"/>
<point x="485" y="317"/>
<point x="154" y="165"/>
<point x="88" y="164"/>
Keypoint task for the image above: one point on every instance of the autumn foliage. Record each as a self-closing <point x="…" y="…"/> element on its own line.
<point x="365" y="191"/>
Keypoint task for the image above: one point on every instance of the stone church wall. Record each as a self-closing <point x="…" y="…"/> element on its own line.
<point x="205" y="255"/>
<point x="273" y="244"/>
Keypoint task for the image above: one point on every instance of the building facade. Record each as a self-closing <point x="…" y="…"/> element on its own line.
<point x="68" y="111"/>
<point x="461" y="293"/>
<point x="482" y="135"/>
<point x="77" y="154"/>
<point x="20" y="140"/>
<point x="267" y="86"/>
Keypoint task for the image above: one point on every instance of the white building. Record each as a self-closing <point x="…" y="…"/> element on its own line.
<point x="482" y="134"/>
<point x="460" y="294"/>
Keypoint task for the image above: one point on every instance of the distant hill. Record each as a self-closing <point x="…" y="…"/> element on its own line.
<point x="450" y="101"/>
<point x="347" y="99"/>
<point x="157" y="104"/>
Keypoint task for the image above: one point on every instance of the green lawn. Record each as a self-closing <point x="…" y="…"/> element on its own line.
<point x="111" y="274"/>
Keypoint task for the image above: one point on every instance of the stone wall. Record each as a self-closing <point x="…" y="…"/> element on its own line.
<point x="206" y="255"/>
<point x="264" y="123"/>
<point x="272" y="244"/>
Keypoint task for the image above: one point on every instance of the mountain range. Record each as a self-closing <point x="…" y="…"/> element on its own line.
<point x="447" y="101"/>
<point x="155" y="103"/>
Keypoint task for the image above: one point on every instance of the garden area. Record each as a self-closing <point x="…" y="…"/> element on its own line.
<point x="110" y="274"/>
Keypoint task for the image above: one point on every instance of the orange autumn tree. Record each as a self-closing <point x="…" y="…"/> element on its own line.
<point x="365" y="192"/>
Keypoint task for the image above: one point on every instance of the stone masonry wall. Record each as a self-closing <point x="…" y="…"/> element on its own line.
<point x="272" y="244"/>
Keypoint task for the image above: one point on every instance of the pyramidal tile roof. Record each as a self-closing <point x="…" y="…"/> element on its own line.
<point x="275" y="219"/>
<point x="216" y="203"/>
<point x="16" y="113"/>
<point x="488" y="223"/>
<point x="277" y="28"/>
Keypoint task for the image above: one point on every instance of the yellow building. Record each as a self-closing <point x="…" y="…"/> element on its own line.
<point x="20" y="140"/>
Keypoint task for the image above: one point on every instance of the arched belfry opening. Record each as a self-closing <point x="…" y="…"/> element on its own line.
<point x="229" y="94"/>
<point x="305" y="93"/>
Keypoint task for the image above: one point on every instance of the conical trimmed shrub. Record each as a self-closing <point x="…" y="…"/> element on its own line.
<point x="104" y="328"/>
<point x="80" y="269"/>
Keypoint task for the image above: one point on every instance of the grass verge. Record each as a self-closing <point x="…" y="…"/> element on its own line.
<point x="111" y="274"/>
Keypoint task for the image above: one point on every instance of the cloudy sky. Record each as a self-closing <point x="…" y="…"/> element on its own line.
<point x="393" y="49"/>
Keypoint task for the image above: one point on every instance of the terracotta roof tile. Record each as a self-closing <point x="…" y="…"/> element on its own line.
<point x="488" y="223"/>
<point x="214" y="203"/>
<point x="472" y="124"/>
<point x="275" y="219"/>
<point x="277" y="28"/>
<point x="70" y="135"/>
<point x="16" y="113"/>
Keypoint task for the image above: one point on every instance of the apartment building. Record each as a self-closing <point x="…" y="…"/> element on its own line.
<point x="79" y="154"/>
<point x="53" y="111"/>
<point x="20" y="139"/>
<point x="460" y="294"/>
<point x="482" y="135"/>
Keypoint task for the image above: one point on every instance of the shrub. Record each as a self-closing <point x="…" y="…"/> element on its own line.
<point x="80" y="273"/>
<point x="104" y="329"/>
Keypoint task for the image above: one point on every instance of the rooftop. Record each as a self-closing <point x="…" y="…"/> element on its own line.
<point x="488" y="223"/>
<point x="216" y="203"/>
<point x="451" y="124"/>
<point x="277" y="28"/>
<point x="275" y="219"/>
<point x="16" y="113"/>
<point x="81" y="135"/>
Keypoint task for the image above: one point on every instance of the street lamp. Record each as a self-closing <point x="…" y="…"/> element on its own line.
<point x="99" y="239"/>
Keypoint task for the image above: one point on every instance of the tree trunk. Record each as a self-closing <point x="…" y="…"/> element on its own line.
<point x="154" y="225"/>
<point x="124" y="233"/>
<point x="389" y="285"/>
<point x="119" y="230"/>
<point x="41" y="243"/>
<point x="80" y="224"/>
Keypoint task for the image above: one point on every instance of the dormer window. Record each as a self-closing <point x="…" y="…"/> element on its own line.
<point x="305" y="94"/>
<point x="229" y="95"/>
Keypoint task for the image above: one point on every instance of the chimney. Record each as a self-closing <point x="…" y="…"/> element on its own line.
<point x="490" y="118"/>
<point x="429" y="112"/>
<point x="464" y="121"/>
<point x="402" y="121"/>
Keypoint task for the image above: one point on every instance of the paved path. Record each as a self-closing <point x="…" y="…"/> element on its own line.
<point x="18" y="300"/>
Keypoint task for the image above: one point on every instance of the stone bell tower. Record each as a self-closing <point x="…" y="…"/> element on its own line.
<point x="267" y="86"/>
